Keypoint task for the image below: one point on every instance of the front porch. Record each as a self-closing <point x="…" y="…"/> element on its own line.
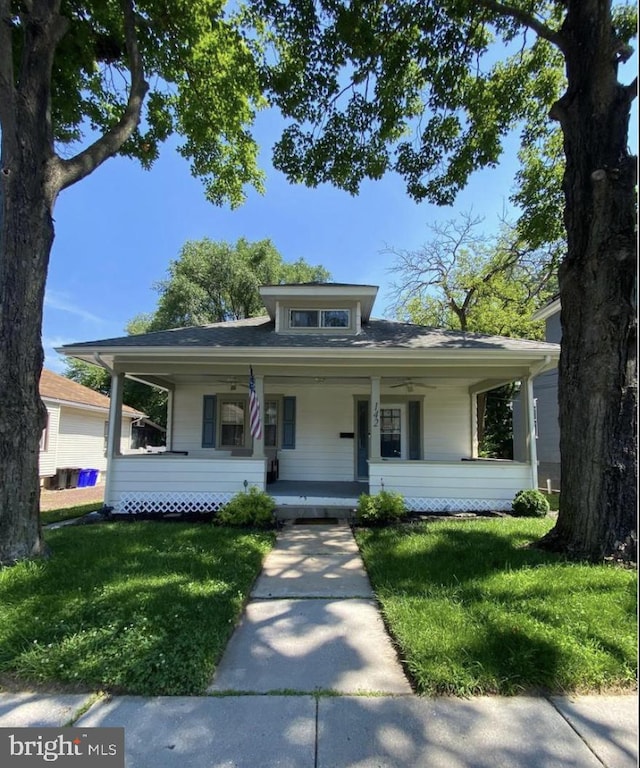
<point x="180" y="484"/>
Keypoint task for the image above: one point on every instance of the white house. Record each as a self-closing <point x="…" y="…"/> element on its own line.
<point x="76" y="433"/>
<point x="349" y="404"/>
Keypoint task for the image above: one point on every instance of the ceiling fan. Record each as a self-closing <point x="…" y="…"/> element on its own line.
<point x="409" y="384"/>
<point x="232" y="381"/>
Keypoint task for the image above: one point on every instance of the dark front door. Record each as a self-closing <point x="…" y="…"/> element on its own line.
<point x="363" y="439"/>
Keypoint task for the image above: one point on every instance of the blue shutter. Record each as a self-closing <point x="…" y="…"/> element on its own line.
<point x="288" y="422"/>
<point x="414" y="429"/>
<point x="209" y="421"/>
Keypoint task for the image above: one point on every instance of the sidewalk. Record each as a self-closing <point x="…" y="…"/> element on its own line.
<point x="310" y="680"/>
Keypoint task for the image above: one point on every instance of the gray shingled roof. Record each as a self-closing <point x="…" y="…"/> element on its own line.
<point x="260" y="332"/>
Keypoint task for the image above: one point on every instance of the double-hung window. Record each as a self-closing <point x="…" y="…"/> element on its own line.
<point x="270" y="424"/>
<point x="232" y="423"/>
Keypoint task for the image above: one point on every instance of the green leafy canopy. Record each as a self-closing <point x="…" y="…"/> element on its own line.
<point x="203" y="79"/>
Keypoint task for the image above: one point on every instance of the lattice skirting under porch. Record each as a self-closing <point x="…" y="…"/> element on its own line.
<point x="189" y="503"/>
<point x="421" y="504"/>
<point x="186" y="503"/>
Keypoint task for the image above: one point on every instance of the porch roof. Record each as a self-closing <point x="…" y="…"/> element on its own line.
<point x="259" y="333"/>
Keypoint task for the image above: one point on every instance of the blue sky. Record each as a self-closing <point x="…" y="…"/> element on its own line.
<point x="117" y="231"/>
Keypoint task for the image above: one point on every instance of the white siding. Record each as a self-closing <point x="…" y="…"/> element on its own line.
<point x="187" y="418"/>
<point x="447" y="424"/>
<point x="320" y="454"/>
<point x="48" y="457"/>
<point x="441" y="486"/>
<point x="81" y="441"/>
<point x="322" y="413"/>
<point x="169" y="477"/>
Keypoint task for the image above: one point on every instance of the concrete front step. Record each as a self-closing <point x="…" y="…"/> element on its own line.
<point x="293" y="512"/>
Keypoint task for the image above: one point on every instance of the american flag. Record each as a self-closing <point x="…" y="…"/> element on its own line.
<point x="255" y="424"/>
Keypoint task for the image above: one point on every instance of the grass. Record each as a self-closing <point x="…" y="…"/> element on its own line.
<point x="475" y="610"/>
<point x="554" y="501"/>
<point x="140" y="608"/>
<point x="68" y="513"/>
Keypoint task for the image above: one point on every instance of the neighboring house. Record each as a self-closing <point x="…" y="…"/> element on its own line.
<point x="76" y="433"/>
<point x="348" y="404"/>
<point x="545" y="393"/>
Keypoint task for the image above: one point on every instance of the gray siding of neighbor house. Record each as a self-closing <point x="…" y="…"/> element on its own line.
<point x="545" y="391"/>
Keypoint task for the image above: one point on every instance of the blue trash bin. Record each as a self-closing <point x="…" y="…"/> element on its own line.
<point x="93" y="477"/>
<point x="83" y="478"/>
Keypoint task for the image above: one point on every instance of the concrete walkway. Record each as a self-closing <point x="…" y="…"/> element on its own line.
<point x="310" y="628"/>
<point x="312" y="623"/>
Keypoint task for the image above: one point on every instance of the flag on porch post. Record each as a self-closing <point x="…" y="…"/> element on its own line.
<point x="255" y="424"/>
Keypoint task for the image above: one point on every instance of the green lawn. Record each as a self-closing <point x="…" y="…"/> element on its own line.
<point x="144" y="608"/>
<point x="474" y="610"/>
<point x="67" y="513"/>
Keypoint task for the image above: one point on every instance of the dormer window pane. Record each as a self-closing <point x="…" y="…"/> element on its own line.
<point x="319" y="318"/>
<point x="304" y="318"/>
<point x="335" y="318"/>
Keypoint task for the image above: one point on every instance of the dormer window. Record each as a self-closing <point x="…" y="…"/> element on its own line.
<point x="319" y="318"/>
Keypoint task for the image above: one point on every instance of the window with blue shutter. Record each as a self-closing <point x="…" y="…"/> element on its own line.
<point x="209" y="421"/>
<point x="288" y="422"/>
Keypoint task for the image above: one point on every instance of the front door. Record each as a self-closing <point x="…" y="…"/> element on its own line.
<point x="362" y="446"/>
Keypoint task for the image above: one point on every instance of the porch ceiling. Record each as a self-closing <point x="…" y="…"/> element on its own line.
<point x="404" y="380"/>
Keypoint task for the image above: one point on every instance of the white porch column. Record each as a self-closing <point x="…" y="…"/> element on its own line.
<point x="115" y="428"/>
<point x="115" y="415"/>
<point x="374" y="427"/>
<point x="473" y="427"/>
<point x="258" y="442"/>
<point x="530" y="430"/>
<point x="169" y="433"/>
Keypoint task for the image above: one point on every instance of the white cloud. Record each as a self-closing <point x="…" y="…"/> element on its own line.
<point x="56" y="300"/>
<point x="52" y="360"/>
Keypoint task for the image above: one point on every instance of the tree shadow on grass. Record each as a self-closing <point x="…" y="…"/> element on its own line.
<point x="141" y="608"/>
<point x="475" y="611"/>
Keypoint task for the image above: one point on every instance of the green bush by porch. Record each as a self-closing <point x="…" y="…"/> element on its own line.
<point x="475" y="610"/>
<point x="144" y="608"/>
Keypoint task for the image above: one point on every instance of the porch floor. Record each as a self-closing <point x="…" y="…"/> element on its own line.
<point x="300" y="491"/>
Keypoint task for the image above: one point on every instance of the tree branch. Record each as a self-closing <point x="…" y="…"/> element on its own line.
<point x="632" y="89"/>
<point x="525" y="18"/>
<point x="85" y="162"/>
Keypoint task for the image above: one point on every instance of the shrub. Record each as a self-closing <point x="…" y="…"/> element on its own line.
<point x="529" y="503"/>
<point x="253" y="509"/>
<point x="384" y="507"/>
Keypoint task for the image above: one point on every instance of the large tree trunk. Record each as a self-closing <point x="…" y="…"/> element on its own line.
<point x="29" y="183"/>
<point x="26" y="236"/>
<point x="598" y="365"/>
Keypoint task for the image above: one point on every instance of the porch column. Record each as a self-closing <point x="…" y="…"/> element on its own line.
<point x="115" y="428"/>
<point x="530" y="430"/>
<point x="115" y="415"/>
<point x="474" y="426"/>
<point x="258" y="442"/>
<point x="374" y="430"/>
<point x="169" y="433"/>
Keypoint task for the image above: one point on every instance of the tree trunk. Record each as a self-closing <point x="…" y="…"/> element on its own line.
<point x="26" y="237"/>
<point x="598" y="364"/>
